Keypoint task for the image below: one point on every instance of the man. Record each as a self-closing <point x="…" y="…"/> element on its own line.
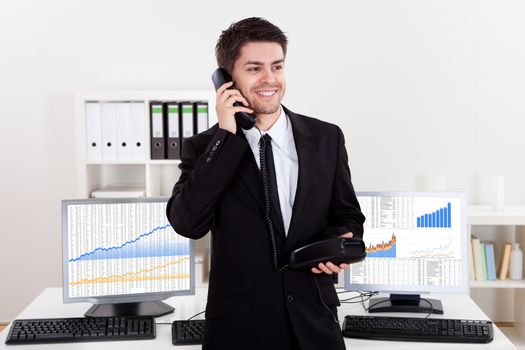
<point x="254" y="301"/>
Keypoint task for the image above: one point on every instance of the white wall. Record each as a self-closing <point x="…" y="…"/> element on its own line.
<point x="420" y="88"/>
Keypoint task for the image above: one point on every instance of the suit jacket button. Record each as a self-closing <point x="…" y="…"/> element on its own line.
<point x="212" y="154"/>
<point x="218" y="142"/>
<point x="289" y="298"/>
<point x="214" y="148"/>
<point x="208" y="160"/>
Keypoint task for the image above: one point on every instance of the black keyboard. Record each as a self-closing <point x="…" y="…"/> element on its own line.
<point x="418" y="329"/>
<point x="187" y="332"/>
<point x="63" y="330"/>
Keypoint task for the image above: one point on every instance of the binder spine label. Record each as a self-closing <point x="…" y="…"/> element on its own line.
<point x="173" y="122"/>
<point x="202" y="117"/>
<point x="156" y="115"/>
<point x="187" y="120"/>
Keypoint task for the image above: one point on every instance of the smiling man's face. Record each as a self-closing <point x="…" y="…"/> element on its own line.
<point x="258" y="74"/>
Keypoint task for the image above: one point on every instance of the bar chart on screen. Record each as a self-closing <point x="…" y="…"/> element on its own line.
<point x="439" y="218"/>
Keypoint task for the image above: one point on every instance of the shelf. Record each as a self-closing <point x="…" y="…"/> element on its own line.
<point x="497" y="284"/>
<point x="117" y="163"/>
<point x="485" y="215"/>
<point x="164" y="161"/>
<point x="157" y="176"/>
<point x="499" y="299"/>
<point x="147" y="95"/>
<point x="152" y="161"/>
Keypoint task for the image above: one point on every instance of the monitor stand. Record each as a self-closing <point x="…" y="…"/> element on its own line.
<point x="144" y="308"/>
<point x="405" y="303"/>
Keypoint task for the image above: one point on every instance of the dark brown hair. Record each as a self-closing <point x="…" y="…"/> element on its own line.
<point x="242" y="32"/>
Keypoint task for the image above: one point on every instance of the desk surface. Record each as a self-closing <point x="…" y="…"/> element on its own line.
<point x="49" y="304"/>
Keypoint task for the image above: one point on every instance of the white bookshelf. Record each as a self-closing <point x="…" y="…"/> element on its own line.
<point x="499" y="227"/>
<point x="502" y="300"/>
<point x="157" y="177"/>
<point x="497" y="284"/>
<point x="485" y="215"/>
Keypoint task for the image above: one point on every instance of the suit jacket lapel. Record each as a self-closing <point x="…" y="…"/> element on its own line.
<point x="249" y="173"/>
<point x="305" y="147"/>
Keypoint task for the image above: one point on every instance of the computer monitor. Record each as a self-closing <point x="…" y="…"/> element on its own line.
<point x="416" y="243"/>
<point x="123" y="256"/>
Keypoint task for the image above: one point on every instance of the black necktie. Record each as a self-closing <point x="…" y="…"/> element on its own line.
<point x="272" y="213"/>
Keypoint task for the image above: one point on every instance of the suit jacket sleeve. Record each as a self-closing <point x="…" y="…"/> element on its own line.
<point x="204" y="175"/>
<point x="345" y="213"/>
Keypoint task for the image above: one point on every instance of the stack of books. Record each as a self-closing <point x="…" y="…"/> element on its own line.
<point x="483" y="263"/>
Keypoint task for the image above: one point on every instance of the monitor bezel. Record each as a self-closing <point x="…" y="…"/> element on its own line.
<point x="121" y="298"/>
<point x="462" y="288"/>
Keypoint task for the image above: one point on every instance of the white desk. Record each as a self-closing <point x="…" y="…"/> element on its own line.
<point x="49" y="304"/>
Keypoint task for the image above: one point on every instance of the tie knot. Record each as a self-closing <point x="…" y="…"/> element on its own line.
<point x="265" y="139"/>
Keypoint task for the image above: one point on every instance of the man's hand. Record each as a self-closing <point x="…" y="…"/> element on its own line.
<point x="330" y="268"/>
<point x="226" y="110"/>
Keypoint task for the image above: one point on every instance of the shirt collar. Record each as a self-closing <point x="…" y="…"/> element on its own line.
<point x="277" y="132"/>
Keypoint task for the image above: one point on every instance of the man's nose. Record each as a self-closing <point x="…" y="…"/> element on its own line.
<point x="268" y="76"/>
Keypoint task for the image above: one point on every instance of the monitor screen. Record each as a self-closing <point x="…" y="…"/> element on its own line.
<point x="123" y="251"/>
<point x="415" y="242"/>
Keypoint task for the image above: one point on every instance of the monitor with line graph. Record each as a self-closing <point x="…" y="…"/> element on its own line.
<point x="416" y="242"/>
<point x="123" y="256"/>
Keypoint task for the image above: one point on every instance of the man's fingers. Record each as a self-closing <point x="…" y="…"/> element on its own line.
<point x="235" y="98"/>
<point x="325" y="269"/>
<point x="333" y="267"/>
<point x="329" y="268"/>
<point x="222" y="99"/>
<point x="242" y="109"/>
<point x="223" y="87"/>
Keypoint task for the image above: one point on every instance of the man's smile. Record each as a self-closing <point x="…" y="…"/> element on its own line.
<point x="266" y="93"/>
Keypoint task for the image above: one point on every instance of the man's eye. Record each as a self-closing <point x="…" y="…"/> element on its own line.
<point x="278" y="67"/>
<point x="253" y="69"/>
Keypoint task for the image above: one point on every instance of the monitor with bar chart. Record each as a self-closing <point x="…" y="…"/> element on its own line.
<point x="124" y="256"/>
<point x="415" y="243"/>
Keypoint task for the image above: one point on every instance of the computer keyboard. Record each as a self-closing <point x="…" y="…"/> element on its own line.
<point x="187" y="331"/>
<point x="54" y="330"/>
<point x="418" y="329"/>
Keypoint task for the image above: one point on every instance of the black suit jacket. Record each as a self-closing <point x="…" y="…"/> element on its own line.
<point x="251" y="306"/>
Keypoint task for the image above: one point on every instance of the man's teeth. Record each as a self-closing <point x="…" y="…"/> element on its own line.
<point x="266" y="93"/>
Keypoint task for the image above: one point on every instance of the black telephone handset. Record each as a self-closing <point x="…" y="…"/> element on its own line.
<point x="244" y="120"/>
<point x="336" y="250"/>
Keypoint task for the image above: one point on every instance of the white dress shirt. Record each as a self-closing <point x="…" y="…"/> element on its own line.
<point x="285" y="160"/>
